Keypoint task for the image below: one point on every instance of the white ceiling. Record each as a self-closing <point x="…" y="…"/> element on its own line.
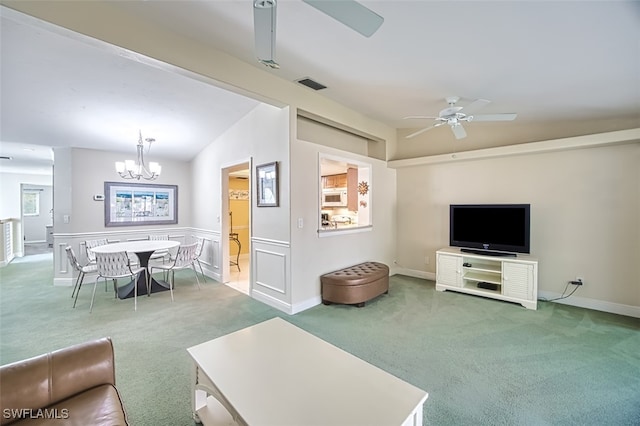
<point x="549" y="61"/>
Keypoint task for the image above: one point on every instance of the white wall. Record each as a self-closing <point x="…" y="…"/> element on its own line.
<point x="312" y="256"/>
<point x="585" y="216"/>
<point x="262" y="136"/>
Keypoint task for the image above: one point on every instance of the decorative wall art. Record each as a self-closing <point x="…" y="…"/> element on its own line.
<point x="267" y="184"/>
<point x="136" y="204"/>
<point x="238" y="194"/>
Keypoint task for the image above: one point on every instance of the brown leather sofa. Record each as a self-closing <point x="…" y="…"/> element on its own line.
<point x="356" y="284"/>
<point x="70" y="386"/>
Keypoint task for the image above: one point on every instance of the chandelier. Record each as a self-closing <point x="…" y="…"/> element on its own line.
<point x="130" y="169"/>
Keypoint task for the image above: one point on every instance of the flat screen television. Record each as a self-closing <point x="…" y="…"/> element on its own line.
<point x="492" y="229"/>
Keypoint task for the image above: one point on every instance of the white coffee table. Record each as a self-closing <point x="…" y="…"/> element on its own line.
<point x="275" y="373"/>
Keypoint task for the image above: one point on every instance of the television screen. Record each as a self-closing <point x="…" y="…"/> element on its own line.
<point x="490" y="227"/>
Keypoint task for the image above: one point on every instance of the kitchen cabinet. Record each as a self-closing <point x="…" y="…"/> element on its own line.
<point x="352" y="189"/>
<point x="334" y="181"/>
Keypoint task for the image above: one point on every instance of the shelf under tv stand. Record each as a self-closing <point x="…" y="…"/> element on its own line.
<point x="508" y="278"/>
<point x="488" y="252"/>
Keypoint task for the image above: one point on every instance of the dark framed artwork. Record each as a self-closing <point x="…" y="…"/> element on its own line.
<point x="267" y="184"/>
<point x="136" y="204"/>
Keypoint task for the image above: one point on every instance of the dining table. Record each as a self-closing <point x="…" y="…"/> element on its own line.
<point x="143" y="249"/>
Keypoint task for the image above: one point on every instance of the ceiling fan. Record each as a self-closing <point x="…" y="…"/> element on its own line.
<point x="349" y="12"/>
<point x="453" y="116"/>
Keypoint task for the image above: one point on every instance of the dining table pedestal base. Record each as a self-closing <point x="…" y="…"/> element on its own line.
<point x="126" y="291"/>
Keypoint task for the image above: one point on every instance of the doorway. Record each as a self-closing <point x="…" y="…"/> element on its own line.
<point x="37" y="219"/>
<point x="236" y="227"/>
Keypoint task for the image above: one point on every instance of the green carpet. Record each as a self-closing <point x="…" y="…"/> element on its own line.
<point x="483" y="362"/>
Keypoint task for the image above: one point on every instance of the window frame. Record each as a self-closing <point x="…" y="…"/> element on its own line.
<point x="348" y="161"/>
<point x="35" y="193"/>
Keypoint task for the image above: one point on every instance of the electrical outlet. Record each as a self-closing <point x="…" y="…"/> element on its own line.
<point x="426" y="260"/>
<point x="577" y="281"/>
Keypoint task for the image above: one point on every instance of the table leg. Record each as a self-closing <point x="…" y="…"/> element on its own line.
<point x="126" y="291"/>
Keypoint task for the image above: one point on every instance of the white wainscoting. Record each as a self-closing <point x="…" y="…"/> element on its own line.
<point x="211" y="254"/>
<point x="271" y="272"/>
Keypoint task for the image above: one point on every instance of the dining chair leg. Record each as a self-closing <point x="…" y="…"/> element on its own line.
<point x="93" y="296"/>
<point x="171" y="282"/>
<point x="204" y="277"/>
<point x="135" y="293"/>
<point x="195" y="271"/>
<point x="78" y="280"/>
<point x="79" y="284"/>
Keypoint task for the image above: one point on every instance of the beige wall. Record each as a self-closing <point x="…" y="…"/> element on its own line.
<point x="585" y="215"/>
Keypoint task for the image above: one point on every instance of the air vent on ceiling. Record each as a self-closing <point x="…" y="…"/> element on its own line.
<point x="312" y="84"/>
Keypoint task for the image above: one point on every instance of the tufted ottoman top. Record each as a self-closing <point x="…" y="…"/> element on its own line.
<point x="357" y="274"/>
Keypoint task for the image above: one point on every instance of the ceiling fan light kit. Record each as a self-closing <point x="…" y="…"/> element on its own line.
<point x="453" y="116"/>
<point x="264" y="22"/>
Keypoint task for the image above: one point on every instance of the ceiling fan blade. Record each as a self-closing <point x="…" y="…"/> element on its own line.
<point x="425" y="129"/>
<point x="411" y="117"/>
<point x="459" y="131"/>
<point x="351" y="13"/>
<point x="419" y="132"/>
<point x="495" y="117"/>
<point x="264" y="28"/>
<point x="476" y="105"/>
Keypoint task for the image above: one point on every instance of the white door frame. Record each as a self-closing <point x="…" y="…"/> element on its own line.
<point x="224" y="214"/>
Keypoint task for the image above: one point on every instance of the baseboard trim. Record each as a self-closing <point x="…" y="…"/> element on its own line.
<point x="307" y="304"/>
<point x="271" y="301"/>
<point x="596" y="305"/>
<point x="580" y="302"/>
<point x="415" y="273"/>
<point x="64" y="282"/>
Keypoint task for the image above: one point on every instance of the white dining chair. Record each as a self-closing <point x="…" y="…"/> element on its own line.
<point x="82" y="271"/>
<point x="162" y="254"/>
<point x="198" y="254"/>
<point x="117" y="265"/>
<point x="89" y="244"/>
<point x="184" y="258"/>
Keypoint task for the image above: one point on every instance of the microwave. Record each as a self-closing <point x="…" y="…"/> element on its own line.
<point x="334" y="198"/>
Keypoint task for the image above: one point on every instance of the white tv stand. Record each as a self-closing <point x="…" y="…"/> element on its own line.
<point x="515" y="279"/>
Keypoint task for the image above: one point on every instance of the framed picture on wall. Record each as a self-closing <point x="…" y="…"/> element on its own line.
<point x="135" y="204"/>
<point x="267" y="184"/>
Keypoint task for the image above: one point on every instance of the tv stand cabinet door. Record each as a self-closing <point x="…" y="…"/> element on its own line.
<point x="517" y="280"/>
<point x="449" y="270"/>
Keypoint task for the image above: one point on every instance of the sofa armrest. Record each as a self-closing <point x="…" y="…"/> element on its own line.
<point x="46" y="379"/>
